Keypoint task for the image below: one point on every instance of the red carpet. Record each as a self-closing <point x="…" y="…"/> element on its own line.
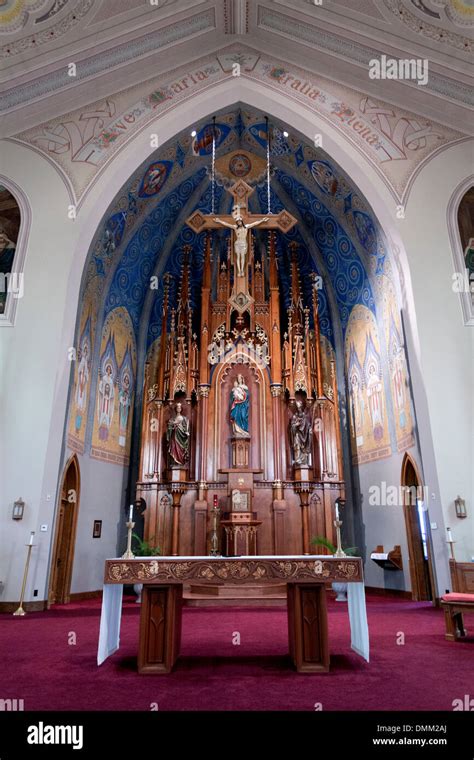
<point x="426" y="673"/>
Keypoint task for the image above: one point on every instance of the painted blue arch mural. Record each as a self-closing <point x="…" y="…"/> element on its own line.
<point x="144" y="231"/>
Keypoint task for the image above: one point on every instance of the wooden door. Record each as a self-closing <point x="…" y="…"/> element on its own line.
<point x="418" y="536"/>
<point x="65" y="535"/>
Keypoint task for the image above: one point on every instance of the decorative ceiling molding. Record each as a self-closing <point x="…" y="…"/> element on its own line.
<point x="394" y="140"/>
<point x="49" y="34"/>
<point x="198" y="24"/>
<point x="421" y="5"/>
<point x="109" y="59"/>
<point x="236" y="16"/>
<point x="110" y="9"/>
<point x="279" y="23"/>
<point x="57" y="6"/>
<point x="425" y="29"/>
<point x="17" y="14"/>
<point x="365" y="7"/>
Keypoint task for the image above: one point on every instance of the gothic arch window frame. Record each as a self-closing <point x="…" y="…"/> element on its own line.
<point x="7" y="319"/>
<point x="467" y="302"/>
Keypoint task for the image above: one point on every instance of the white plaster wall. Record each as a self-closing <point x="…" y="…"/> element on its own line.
<point x="446" y="358"/>
<point x="33" y="364"/>
<point x="34" y="375"/>
<point x="384" y="524"/>
<point x="102" y="498"/>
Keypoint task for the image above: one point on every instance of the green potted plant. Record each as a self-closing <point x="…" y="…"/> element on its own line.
<point x="351" y="551"/>
<point x="142" y="548"/>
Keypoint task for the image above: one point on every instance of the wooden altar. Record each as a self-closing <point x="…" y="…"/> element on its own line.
<point x="244" y="341"/>
<point x="305" y="579"/>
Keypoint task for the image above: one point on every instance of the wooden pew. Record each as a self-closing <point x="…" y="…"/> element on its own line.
<point x="454" y="605"/>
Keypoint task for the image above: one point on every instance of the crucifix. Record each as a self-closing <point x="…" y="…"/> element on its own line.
<point x="240" y="221"/>
<point x="240" y="237"/>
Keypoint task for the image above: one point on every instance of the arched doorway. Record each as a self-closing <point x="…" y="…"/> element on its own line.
<point x="65" y="536"/>
<point x="418" y="533"/>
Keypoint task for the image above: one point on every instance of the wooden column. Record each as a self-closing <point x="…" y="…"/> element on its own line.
<point x="144" y="468"/>
<point x="308" y="627"/>
<point x="278" y="437"/>
<point x="317" y="340"/>
<point x="203" y="391"/>
<point x="160" y="628"/>
<point x="158" y="463"/>
<point x="328" y="494"/>
<point x="200" y="521"/>
<point x="304" y="499"/>
<point x="175" y="523"/>
<point x="337" y="421"/>
<point x="303" y="476"/>
<point x="279" y="518"/>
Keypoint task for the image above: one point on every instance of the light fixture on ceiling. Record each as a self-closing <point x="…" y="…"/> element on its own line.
<point x="285" y="133"/>
<point x="193" y="133"/>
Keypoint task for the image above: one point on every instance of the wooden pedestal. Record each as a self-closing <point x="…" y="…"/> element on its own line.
<point x="308" y="627"/>
<point x="160" y="628"/>
<point x="240" y="537"/>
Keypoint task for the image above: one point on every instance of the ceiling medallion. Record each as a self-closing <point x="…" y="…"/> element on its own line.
<point x="15" y="13"/>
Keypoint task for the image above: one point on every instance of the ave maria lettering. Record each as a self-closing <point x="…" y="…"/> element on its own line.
<point x="146" y="105"/>
<point x="45" y="734"/>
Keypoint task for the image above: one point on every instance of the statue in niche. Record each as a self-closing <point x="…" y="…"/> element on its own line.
<point x="300" y="435"/>
<point x="239" y="408"/>
<point x="241" y="242"/>
<point x="177" y="435"/>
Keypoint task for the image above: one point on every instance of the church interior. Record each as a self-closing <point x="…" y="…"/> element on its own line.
<point x="237" y="313"/>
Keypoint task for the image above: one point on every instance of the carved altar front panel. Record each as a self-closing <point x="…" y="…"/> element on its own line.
<point x="210" y="570"/>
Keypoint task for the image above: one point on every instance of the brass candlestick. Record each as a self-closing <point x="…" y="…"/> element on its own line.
<point x="339" y="550"/>
<point x="214" y="535"/>
<point x="20" y="611"/>
<point x="128" y="553"/>
<point x="451" y="546"/>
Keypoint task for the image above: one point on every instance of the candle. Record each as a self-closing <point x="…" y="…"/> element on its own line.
<point x="215" y="501"/>
<point x="131" y="513"/>
<point x="337" y="511"/>
<point x="448" y="531"/>
<point x="31" y="538"/>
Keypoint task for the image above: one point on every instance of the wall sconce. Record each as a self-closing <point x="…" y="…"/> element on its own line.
<point x="18" y="509"/>
<point x="460" y="505"/>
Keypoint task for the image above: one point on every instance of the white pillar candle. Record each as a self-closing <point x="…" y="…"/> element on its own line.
<point x="131" y="513"/>
<point x="448" y="531"/>
<point x="31" y="538"/>
<point x="337" y="511"/>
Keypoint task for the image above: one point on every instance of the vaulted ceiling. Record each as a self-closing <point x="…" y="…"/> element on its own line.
<point x="119" y="43"/>
<point x="144" y="230"/>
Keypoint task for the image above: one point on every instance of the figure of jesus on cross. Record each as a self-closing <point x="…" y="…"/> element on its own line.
<point x="240" y="221"/>
<point x="241" y="241"/>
